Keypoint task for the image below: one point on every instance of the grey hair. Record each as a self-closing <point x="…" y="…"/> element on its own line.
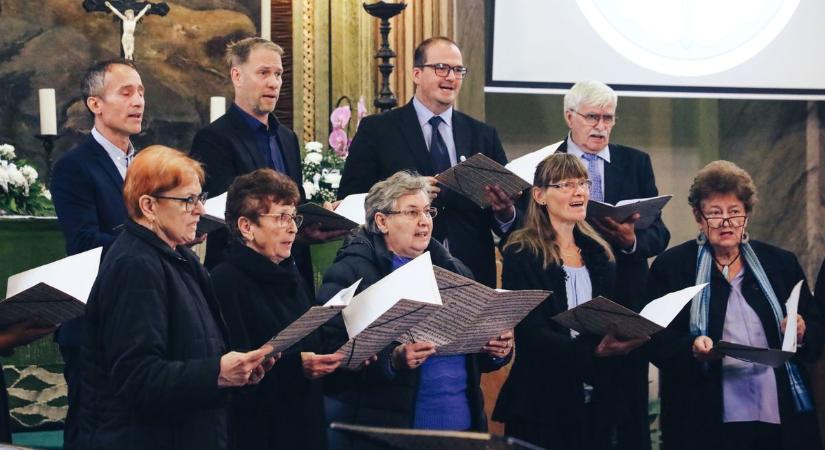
<point x="383" y="195"/>
<point x="237" y="53"/>
<point x="93" y="82"/>
<point x="593" y="93"/>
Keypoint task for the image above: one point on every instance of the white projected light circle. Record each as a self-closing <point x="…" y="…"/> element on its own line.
<point x="688" y="37"/>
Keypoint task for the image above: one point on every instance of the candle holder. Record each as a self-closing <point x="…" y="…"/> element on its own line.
<point x="48" y="145"/>
<point x="385" y="11"/>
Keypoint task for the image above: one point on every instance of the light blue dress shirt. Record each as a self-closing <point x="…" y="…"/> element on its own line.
<point x="120" y="159"/>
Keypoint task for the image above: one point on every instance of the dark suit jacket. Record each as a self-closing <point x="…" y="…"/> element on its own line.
<point x="87" y="191"/>
<point x="227" y="148"/>
<point x="393" y="141"/>
<point x="691" y="390"/>
<point x="630" y="175"/>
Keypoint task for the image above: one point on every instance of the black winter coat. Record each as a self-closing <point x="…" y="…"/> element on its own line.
<point x="691" y="391"/>
<point x="377" y="400"/>
<point x="544" y="394"/>
<point x="152" y="350"/>
<point x="259" y="299"/>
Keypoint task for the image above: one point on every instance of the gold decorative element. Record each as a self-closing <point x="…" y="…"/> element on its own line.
<point x="308" y="70"/>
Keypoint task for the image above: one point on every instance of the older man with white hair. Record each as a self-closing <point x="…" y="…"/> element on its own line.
<point x="618" y="173"/>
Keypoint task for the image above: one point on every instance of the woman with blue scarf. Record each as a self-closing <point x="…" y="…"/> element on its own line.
<point x="711" y="401"/>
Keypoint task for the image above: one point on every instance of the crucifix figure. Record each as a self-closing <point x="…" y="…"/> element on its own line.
<point x="130" y="21"/>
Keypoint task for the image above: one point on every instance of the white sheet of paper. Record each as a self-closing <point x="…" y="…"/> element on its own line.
<point x="525" y="166"/>
<point x="664" y="309"/>
<point x="791" y="309"/>
<point x="216" y="207"/>
<point x="75" y="275"/>
<point x="352" y="207"/>
<point x="413" y="281"/>
<point x="344" y="296"/>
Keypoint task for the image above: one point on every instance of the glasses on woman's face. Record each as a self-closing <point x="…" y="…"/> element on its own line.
<point x="283" y="220"/>
<point x="188" y="202"/>
<point x="719" y="221"/>
<point x="414" y="214"/>
<point x="569" y="187"/>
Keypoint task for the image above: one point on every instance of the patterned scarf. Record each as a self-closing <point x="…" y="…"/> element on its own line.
<point x="700" y="306"/>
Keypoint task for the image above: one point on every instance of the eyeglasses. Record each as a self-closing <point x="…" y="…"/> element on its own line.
<point x="569" y="187"/>
<point x="719" y="222"/>
<point x="414" y="214"/>
<point x="593" y="118"/>
<point x="283" y="220"/>
<point x="443" y="70"/>
<point x="188" y="202"/>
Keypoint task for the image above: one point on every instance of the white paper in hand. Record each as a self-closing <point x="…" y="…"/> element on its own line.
<point x="352" y="207"/>
<point x="664" y="309"/>
<point x="344" y="296"/>
<point x="525" y="166"/>
<point x="412" y="281"/>
<point x="74" y="275"/>
<point x="215" y="208"/>
<point x="791" y="309"/>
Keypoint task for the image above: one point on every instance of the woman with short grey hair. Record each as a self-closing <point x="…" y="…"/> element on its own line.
<point x="407" y="386"/>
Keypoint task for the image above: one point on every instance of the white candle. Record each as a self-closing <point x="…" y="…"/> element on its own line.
<point x="48" y="112"/>
<point x="217" y="108"/>
<point x="266" y="19"/>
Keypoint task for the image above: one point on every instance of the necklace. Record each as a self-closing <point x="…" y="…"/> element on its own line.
<point x="726" y="267"/>
<point x="575" y="253"/>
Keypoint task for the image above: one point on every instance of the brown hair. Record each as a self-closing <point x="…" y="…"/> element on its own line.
<point x="538" y="234"/>
<point x="238" y="52"/>
<point x="420" y="53"/>
<point x="722" y="177"/>
<point x="252" y="194"/>
<point x="157" y="169"/>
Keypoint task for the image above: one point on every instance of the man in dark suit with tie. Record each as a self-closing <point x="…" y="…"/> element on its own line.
<point x="429" y="136"/>
<point x="618" y="173"/>
<point x="87" y="189"/>
<point x="250" y="137"/>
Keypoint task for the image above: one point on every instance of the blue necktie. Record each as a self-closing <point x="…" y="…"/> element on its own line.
<point x="595" y="176"/>
<point x="439" y="156"/>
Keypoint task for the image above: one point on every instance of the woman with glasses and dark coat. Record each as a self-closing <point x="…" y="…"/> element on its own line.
<point x="260" y="292"/>
<point x="714" y="401"/>
<point x="408" y="386"/>
<point x="558" y="394"/>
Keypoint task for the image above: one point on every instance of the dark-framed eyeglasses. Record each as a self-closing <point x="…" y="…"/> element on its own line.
<point x="443" y="70"/>
<point x="719" y="222"/>
<point x="414" y="214"/>
<point x="571" y="186"/>
<point x="283" y="220"/>
<point x="188" y="202"/>
<point x="593" y="118"/>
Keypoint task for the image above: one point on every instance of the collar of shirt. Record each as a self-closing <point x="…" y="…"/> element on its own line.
<point x="575" y="150"/>
<point x="254" y="124"/>
<point x="120" y="159"/>
<point x="424" y="114"/>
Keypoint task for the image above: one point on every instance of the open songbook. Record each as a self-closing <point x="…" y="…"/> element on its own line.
<point x="525" y="166"/>
<point x="648" y="209"/>
<point x="213" y="216"/>
<point x="387" y="309"/>
<point x="769" y="356"/>
<point x="599" y="315"/>
<point x="329" y="220"/>
<point x="470" y="177"/>
<point x="53" y="293"/>
<point x="415" y="439"/>
<point x="472" y="314"/>
<point x="313" y="318"/>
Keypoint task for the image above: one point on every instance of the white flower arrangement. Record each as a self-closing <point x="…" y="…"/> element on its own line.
<point x="20" y="191"/>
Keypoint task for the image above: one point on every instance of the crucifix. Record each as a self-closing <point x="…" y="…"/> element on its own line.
<point x="125" y="11"/>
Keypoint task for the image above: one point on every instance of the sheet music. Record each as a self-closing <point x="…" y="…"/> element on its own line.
<point x="648" y="209"/>
<point x="525" y="166"/>
<point x="352" y="207"/>
<point x="54" y="292"/>
<point x="472" y="314"/>
<point x="598" y="315"/>
<point x="402" y="316"/>
<point x="329" y="220"/>
<point x="213" y="217"/>
<point x="769" y="356"/>
<point x="470" y="177"/>
<point x="313" y="318"/>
